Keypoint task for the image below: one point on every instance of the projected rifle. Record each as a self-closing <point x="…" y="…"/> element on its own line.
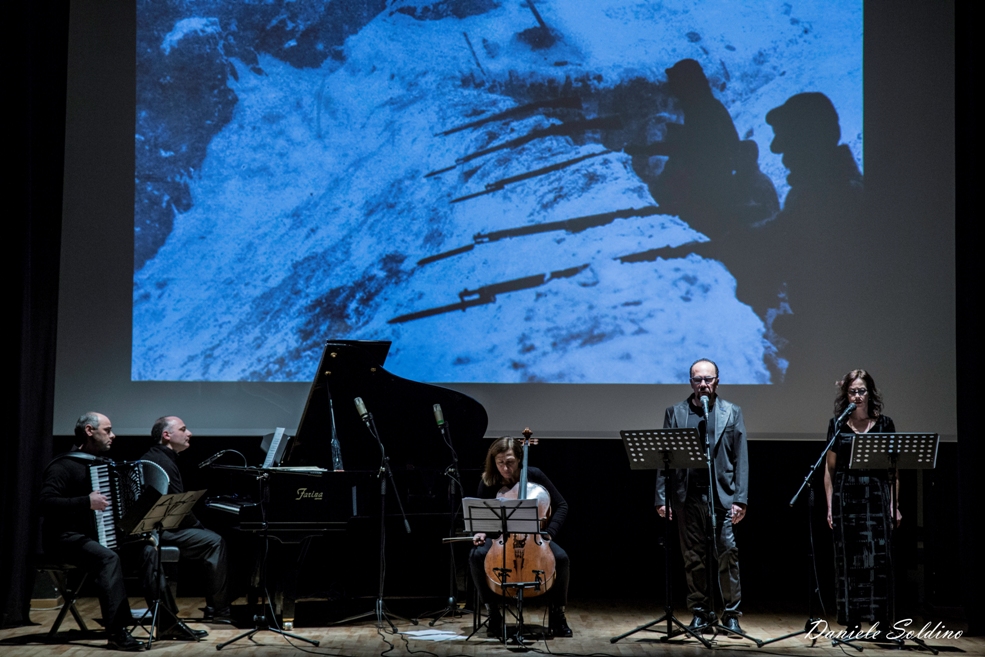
<point x="572" y="226"/>
<point x="567" y="102"/>
<point x="487" y="293"/>
<point x="568" y="129"/>
<point x="497" y="185"/>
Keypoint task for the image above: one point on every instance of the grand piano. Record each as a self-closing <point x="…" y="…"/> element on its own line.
<point x="323" y="496"/>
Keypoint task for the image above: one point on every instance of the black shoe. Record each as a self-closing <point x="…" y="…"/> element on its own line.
<point x="697" y="623"/>
<point x="731" y="623"/>
<point x="222" y="616"/>
<point x="558" y="624"/>
<point x="122" y="640"/>
<point x="494" y="624"/>
<point x="181" y="632"/>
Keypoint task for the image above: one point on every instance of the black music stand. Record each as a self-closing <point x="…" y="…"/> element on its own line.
<point x="893" y="452"/>
<point x="667" y="450"/>
<point x="505" y="517"/>
<point x="260" y="622"/>
<point x="167" y="513"/>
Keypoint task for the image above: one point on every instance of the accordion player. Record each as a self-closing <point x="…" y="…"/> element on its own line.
<point x="69" y="508"/>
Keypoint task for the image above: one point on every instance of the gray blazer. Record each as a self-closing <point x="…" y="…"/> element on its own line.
<point x="729" y="452"/>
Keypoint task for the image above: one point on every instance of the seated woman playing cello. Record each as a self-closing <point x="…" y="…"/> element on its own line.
<point x="503" y="473"/>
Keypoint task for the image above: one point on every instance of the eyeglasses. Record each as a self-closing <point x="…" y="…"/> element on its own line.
<point x="703" y="379"/>
<point x="858" y="392"/>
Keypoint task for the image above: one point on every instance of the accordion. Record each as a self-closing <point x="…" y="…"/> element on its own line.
<point x="133" y="488"/>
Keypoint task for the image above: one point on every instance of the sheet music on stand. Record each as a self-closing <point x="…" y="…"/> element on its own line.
<point x="167" y="512"/>
<point x="274" y="445"/>
<point x="487" y="516"/>
<point x="902" y="451"/>
<point x="646" y="448"/>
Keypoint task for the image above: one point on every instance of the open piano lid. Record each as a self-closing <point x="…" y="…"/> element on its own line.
<point x="402" y="410"/>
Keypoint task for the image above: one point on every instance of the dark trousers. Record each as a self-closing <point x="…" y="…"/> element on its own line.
<point x="558" y="594"/>
<point x="106" y="569"/>
<point x="693" y="523"/>
<point x="196" y="544"/>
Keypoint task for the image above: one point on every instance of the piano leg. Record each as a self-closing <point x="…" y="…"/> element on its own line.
<point x="284" y="605"/>
<point x="287" y="613"/>
<point x="286" y="567"/>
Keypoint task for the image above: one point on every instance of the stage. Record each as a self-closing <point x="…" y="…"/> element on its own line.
<point x="594" y="624"/>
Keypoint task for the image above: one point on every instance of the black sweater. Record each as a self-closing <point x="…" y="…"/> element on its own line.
<point x="559" y="508"/>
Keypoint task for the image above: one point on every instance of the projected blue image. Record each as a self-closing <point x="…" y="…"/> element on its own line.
<point x="510" y="191"/>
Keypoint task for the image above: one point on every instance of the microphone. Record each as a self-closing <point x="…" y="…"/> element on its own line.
<point x="841" y="418"/>
<point x="212" y="459"/>
<point x="439" y="417"/>
<point x="361" y="409"/>
<point x="704" y="404"/>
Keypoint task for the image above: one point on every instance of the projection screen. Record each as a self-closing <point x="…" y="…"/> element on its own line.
<point x="554" y="207"/>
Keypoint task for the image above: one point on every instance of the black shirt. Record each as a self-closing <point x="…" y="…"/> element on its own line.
<point x="559" y="508"/>
<point x="65" y="499"/>
<point x="167" y="458"/>
<point x="697" y="478"/>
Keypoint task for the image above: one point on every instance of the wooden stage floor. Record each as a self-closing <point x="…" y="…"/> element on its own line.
<point x="593" y="624"/>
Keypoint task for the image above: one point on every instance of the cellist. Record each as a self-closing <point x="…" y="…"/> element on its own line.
<point x="502" y="472"/>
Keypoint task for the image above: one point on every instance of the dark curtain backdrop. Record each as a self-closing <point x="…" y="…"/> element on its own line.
<point x="969" y="327"/>
<point x="37" y="138"/>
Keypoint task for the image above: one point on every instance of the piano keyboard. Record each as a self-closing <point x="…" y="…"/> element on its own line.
<point x="105" y="523"/>
<point x="228" y="504"/>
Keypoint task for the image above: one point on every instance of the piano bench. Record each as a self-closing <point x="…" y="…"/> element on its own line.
<point x="61" y="574"/>
<point x="170" y="554"/>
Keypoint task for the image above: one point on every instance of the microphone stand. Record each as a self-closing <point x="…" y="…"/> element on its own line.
<point x="261" y="623"/>
<point x="711" y="529"/>
<point x="711" y="537"/>
<point x="385" y="473"/>
<point x="455" y="493"/>
<point x="813" y="586"/>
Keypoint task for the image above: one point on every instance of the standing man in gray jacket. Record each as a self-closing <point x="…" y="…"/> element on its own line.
<point x="690" y="492"/>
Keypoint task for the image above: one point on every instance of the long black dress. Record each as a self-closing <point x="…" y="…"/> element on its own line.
<point x="860" y="510"/>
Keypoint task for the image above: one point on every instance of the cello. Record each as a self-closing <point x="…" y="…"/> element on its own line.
<point x="528" y="557"/>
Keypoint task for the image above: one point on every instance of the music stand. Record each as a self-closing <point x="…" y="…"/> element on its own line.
<point x="893" y="452"/>
<point x="505" y="517"/>
<point x="668" y="450"/>
<point x="166" y="513"/>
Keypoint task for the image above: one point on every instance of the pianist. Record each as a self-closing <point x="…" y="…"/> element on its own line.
<point x="68" y="529"/>
<point x="171" y="437"/>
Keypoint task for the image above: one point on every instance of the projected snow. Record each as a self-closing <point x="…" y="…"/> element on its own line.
<point x="510" y="191"/>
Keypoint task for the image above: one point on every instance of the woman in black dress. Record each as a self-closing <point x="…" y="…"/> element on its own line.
<point x="858" y="509"/>
<point x="502" y="471"/>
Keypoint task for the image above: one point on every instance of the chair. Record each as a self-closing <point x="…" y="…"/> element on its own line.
<point x="60" y="574"/>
